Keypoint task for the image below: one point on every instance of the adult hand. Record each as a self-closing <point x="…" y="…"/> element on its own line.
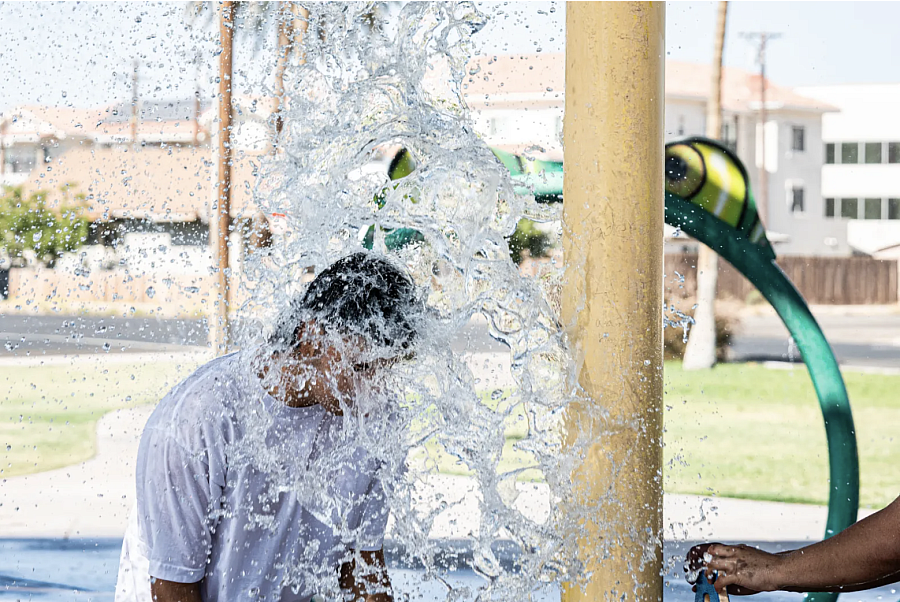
<point x="740" y="570"/>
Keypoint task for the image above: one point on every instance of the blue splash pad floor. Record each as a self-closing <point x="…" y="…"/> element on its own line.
<point x="51" y="570"/>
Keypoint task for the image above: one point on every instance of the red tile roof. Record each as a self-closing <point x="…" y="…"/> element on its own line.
<point x="540" y="78"/>
<point x="740" y="89"/>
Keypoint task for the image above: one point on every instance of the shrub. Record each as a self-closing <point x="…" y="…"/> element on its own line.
<point x="673" y="336"/>
<point x="527" y="237"/>
<point x="29" y="224"/>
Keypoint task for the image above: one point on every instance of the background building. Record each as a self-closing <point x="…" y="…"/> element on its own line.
<point x="147" y="177"/>
<point x="861" y="171"/>
<point x="519" y="99"/>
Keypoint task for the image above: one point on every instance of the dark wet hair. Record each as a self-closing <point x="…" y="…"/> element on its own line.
<point x="361" y="294"/>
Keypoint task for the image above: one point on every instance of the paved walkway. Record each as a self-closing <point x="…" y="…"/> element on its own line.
<point x="91" y="499"/>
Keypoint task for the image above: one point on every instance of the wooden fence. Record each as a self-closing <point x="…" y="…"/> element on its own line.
<point x="821" y="280"/>
<point x="43" y="285"/>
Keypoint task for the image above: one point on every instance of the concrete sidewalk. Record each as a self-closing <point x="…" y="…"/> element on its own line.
<point x="91" y="499"/>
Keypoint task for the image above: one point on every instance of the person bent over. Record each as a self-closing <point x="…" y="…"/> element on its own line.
<point x="263" y="475"/>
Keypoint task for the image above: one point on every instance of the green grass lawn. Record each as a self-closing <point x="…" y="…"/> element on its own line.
<point x="740" y="430"/>
<point x="743" y="430"/>
<point x="49" y="414"/>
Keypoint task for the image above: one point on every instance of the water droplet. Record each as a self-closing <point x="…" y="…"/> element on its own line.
<point x="151" y="292"/>
<point x="36" y="237"/>
<point x="106" y="347"/>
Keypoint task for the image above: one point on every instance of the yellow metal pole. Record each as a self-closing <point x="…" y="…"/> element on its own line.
<point x="612" y="297"/>
<point x="220" y="216"/>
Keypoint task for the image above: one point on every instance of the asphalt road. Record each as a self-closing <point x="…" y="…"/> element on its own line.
<point x="59" y="335"/>
<point x="859" y="341"/>
<point x="872" y="341"/>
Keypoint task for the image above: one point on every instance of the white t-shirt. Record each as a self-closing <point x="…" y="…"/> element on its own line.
<point x="259" y="500"/>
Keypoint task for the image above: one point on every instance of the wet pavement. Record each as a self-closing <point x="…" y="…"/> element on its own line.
<point x="57" y="570"/>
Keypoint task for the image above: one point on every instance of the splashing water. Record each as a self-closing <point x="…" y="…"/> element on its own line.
<point x="362" y="90"/>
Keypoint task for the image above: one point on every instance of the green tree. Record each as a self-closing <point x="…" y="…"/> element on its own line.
<point x="30" y="224"/>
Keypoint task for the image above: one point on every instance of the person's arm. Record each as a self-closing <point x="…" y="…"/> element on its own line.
<point x="169" y="591"/>
<point x="863" y="556"/>
<point x="176" y="493"/>
<point x="365" y="577"/>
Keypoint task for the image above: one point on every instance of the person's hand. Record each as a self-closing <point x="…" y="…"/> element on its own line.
<point x="739" y="570"/>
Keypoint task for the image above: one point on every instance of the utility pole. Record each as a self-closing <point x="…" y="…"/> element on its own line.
<point x="220" y="216"/>
<point x="196" y="136"/>
<point x="2" y="147"/>
<point x="762" y="38"/>
<point x="134" y="104"/>
<point x="292" y="25"/>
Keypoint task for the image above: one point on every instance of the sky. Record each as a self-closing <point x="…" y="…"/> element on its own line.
<point x="82" y="54"/>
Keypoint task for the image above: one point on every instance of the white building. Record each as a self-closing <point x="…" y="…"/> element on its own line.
<point x="861" y="171"/>
<point x="518" y="101"/>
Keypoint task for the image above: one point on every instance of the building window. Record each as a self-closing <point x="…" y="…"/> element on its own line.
<point x="893" y="152"/>
<point x="797" y="205"/>
<point x="798" y="138"/>
<point x="849" y="152"/>
<point x="729" y="135"/>
<point x="893" y="209"/>
<point x="850" y="208"/>
<point x="872" y="209"/>
<point x="829" y="153"/>
<point x="829" y="207"/>
<point x="873" y="152"/>
<point x="20" y="159"/>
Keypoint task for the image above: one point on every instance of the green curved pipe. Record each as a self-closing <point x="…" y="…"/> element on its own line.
<point x="708" y="196"/>
<point x="773" y="284"/>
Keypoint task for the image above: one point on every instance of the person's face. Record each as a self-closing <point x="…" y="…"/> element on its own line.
<point x="340" y="367"/>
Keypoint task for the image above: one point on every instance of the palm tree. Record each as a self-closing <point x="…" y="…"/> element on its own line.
<point x="700" y="353"/>
<point x="293" y="22"/>
<point x="254" y="19"/>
